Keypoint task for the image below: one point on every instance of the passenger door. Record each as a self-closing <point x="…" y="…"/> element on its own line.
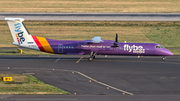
<point x="60" y="48"/>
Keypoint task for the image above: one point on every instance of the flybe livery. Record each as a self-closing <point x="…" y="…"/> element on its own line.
<point x="95" y="46"/>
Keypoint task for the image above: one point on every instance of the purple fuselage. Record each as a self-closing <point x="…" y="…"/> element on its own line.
<point x="106" y="48"/>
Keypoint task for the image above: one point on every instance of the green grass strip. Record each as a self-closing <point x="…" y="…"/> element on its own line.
<point x="27" y="84"/>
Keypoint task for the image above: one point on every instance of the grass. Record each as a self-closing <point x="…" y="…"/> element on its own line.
<point x="168" y="35"/>
<point x="25" y="52"/>
<point x="153" y="6"/>
<point x="175" y="51"/>
<point x="27" y="84"/>
<point x="164" y="33"/>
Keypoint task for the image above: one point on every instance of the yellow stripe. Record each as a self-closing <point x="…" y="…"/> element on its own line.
<point x="79" y="60"/>
<point x="45" y="44"/>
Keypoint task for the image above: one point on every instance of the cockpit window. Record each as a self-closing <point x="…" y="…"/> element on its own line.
<point x="159" y="47"/>
<point x="162" y="47"/>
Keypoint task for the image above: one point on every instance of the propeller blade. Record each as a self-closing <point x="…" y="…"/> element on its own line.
<point x="116" y="39"/>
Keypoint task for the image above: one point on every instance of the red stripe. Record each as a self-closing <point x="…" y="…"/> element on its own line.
<point x="38" y="43"/>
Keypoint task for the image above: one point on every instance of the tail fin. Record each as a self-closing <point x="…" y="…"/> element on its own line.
<point x="20" y="34"/>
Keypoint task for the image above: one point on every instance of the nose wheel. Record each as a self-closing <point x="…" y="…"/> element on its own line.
<point x="164" y="58"/>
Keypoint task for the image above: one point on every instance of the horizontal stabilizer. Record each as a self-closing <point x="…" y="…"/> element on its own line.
<point x="14" y="19"/>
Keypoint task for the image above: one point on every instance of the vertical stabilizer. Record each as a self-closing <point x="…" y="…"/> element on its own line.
<point x="20" y="34"/>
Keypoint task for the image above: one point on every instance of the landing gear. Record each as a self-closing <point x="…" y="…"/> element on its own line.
<point x="164" y="58"/>
<point x="92" y="56"/>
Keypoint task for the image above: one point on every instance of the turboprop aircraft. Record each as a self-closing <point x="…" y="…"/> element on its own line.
<point x="95" y="46"/>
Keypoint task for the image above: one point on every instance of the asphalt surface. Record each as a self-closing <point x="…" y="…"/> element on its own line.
<point x="106" y="78"/>
<point x="93" y="16"/>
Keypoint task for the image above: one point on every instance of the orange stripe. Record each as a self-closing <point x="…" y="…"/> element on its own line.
<point x="45" y="44"/>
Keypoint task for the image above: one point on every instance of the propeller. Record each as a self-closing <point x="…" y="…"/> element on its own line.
<point x="116" y="40"/>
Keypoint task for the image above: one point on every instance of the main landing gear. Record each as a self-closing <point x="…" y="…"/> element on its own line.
<point x="164" y="58"/>
<point x="92" y="56"/>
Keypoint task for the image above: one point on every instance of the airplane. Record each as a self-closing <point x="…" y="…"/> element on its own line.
<point x="95" y="46"/>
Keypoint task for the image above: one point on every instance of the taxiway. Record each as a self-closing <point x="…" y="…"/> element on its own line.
<point x="105" y="78"/>
<point x="93" y="16"/>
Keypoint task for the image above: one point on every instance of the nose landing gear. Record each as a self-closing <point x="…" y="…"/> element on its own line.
<point x="164" y="58"/>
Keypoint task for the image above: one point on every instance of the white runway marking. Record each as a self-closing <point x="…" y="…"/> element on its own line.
<point x="117" y="89"/>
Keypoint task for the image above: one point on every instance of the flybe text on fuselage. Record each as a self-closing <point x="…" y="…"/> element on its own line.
<point x="19" y="32"/>
<point x="134" y="48"/>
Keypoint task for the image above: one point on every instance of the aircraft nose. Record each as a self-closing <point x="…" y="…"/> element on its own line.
<point x="166" y="52"/>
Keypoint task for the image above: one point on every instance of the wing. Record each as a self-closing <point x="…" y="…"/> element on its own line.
<point x="95" y="44"/>
<point x="96" y="39"/>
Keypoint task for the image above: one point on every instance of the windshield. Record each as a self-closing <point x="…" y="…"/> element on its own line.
<point x="159" y="47"/>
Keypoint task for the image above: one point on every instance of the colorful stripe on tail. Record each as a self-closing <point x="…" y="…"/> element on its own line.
<point x="43" y="44"/>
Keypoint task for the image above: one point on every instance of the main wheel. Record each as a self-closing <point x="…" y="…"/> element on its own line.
<point x="90" y="58"/>
<point x="93" y="57"/>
